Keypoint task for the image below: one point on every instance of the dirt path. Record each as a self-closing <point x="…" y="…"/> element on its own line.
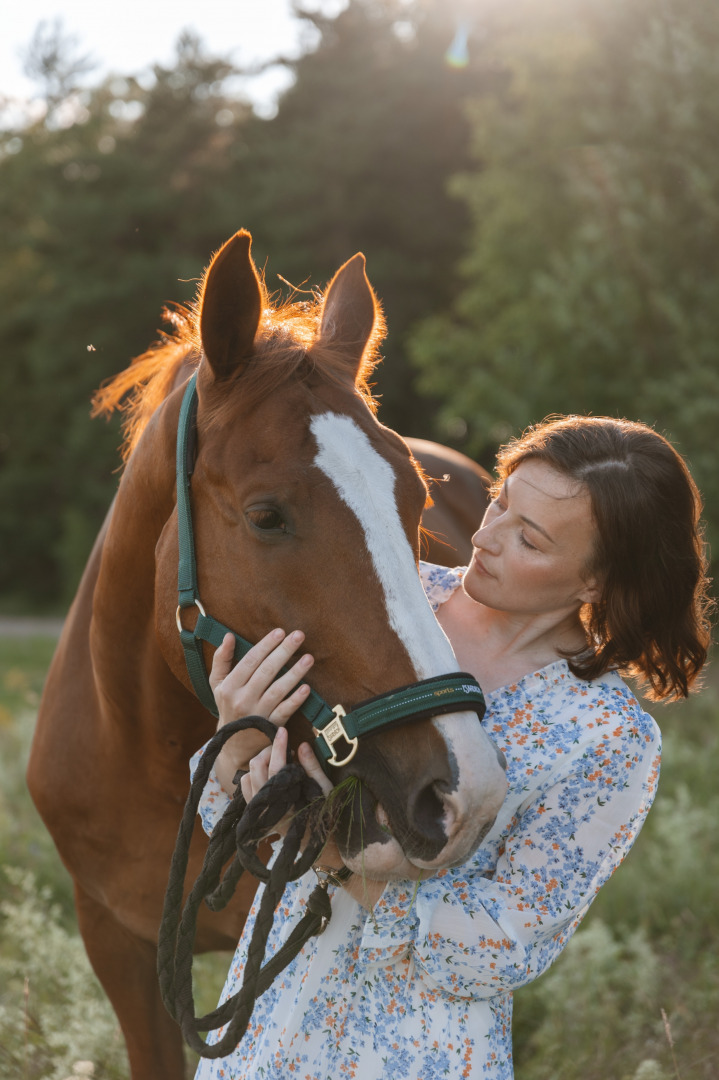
<point x="23" y="626"/>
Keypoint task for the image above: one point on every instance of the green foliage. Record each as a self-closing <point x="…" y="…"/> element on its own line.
<point x="54" y="1017"/>
<point x="590" y="283"/>
<point x="592" y="1009"/>
<point x="99" y="216"/>
<point x="112" y="204"/>
<point x="23" y="839"/>
<point x="55" y="1022"/>
<point x="634" y="996"/>
<point x="640" y="971"/>
<point x="53" y="1013"/>
<point x="359" y="157"/>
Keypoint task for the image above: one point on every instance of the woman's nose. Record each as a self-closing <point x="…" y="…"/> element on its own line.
<point x="486" y="537"/>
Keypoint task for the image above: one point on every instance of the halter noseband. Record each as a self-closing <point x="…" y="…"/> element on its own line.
<point x="332" y="726"/>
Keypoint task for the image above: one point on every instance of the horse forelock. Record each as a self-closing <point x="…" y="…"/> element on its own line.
<point x="286" y="347"/>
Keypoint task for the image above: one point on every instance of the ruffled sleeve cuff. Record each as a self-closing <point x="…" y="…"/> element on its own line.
<point x="439" y="582"/>
<point x="215" y="799"/>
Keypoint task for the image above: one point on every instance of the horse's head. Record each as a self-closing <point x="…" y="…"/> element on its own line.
<point x="306" y="514"/>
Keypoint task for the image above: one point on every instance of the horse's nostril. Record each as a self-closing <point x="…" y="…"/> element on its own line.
<point x="428" y="811"/>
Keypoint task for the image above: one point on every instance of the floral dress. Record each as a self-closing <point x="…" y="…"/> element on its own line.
<point x="421" y="987"/>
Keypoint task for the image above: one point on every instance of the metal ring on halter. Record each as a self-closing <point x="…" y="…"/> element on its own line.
<point x="195" y="603"/>
<point x="332" y="875"/>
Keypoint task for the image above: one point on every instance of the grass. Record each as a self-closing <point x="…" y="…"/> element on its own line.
<point x="635" y="996"/>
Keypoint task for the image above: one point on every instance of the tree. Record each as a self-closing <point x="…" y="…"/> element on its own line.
<point x="358" y="158"/>
<point x="52" y="60"/>
<point x="99" y="219"/>
<point x="110" y="207"/>
<point x="591" y="282"/>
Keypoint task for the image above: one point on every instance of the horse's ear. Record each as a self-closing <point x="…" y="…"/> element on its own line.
<point x="349" y="312"/>
<point x="230" y="306"/>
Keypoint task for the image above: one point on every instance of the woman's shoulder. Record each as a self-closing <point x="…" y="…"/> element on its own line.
<point x="440" y="582"/>
<point x="555" y="695"/>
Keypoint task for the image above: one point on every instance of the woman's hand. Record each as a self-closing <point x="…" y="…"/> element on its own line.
<point x="252" y="687"/>
<point x="269" y="762"/>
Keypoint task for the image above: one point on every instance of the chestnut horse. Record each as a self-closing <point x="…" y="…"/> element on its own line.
<point x="459" y="492"/>
<point x="306" y="514"/>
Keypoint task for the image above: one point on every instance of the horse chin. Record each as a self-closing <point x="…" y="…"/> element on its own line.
<point x="384" y="861"/>
<point x="368" y="844"/>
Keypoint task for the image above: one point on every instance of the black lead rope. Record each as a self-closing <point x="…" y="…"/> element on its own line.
<point x="236" y="837"/>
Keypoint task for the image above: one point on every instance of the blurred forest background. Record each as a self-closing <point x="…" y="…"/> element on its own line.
<point x="540" y="217"/>
<point x="539" y="206"/>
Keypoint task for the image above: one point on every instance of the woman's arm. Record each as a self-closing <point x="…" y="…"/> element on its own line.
<point x="472" y="935"/>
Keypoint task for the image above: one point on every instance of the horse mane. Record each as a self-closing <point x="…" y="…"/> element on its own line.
<point x="286" y="342"/>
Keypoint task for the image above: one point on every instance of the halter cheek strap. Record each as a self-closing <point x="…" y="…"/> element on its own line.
<point x="333" y="727"/>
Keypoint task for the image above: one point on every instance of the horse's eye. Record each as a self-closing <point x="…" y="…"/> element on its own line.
<point x="267" y="518"/>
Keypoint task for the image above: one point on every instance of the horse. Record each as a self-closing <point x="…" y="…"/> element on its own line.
<point x="306" y="513"/>
<point x="458" y="495"/>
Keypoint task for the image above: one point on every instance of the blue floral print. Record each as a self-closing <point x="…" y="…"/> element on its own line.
<point x="421" y="987"/>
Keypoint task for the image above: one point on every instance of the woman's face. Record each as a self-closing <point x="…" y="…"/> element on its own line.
<point x="534" y="545"/>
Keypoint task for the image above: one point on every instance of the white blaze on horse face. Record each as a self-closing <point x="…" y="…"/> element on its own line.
<point x="366" y="483"/>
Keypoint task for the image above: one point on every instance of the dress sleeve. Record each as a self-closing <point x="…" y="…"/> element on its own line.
<point x="473" y="934"/>
<point x="215" y="799"/>
<point x="439" y="582"/>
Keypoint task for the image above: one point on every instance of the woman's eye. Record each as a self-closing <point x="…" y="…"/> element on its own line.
<point x="267" y="519"/>
<point x="525" y="543"/>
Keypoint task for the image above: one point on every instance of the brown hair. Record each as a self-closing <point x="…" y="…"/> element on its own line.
<point x="652" y="618"/>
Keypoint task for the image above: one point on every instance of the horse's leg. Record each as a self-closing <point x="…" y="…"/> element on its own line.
<point x="127" y="968"/>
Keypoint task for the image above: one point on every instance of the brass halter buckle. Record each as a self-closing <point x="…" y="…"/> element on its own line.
<point x="334" y="732"/>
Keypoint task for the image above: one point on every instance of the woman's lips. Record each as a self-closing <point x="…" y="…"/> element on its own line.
<point x="479" y="565"/>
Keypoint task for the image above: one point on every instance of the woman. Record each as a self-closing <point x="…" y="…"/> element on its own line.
<point x="589" y="562"/>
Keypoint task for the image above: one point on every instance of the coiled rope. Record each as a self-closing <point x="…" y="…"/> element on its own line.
<point x="237" y="836"/>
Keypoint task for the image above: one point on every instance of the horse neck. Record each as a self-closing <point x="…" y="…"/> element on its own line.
<point x="136" y="682"/>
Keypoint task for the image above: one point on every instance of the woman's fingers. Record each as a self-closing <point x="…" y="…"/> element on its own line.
<point x="266" y="680"/>
<point x="255" y="685"/>
<point x="281" y="713"/>
<point x="308" y="760"/>
<point x="269" y="762"/>
<point x="273" y="758"/>
<point x="222" y="661"/>
<point x="258" y="771"/>
<point x="278" y="753"/>
<point x="245" y="668"/>
<point x="246" y="787"/>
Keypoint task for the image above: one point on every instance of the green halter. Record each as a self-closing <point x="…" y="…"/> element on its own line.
<point x="454" y="692"/>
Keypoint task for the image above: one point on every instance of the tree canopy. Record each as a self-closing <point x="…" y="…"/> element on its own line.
<point x="591" y="279"/>
<point x="111" y="205"/>
<point x="539" y="221"/>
